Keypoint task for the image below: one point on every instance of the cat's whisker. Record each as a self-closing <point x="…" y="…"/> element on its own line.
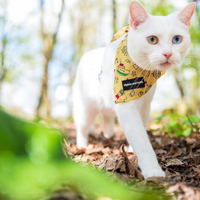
<point x="143" y="61"/>
<point x="146" y="74"/>
<point x="189" y="55"/>
<point x="190" y="66"/>
<point x="144" y="69"/>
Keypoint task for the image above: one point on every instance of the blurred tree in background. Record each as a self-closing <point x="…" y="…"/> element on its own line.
<point x="3" y="45"/>
<point x="63" y="32"/>
<point x="85" y="20"/>
<point x="49" y="41"/>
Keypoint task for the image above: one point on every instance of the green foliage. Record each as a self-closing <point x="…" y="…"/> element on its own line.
<point x="178" y="125"/>
<point x="159" y="8"/>
<point x="21" y="138"/>
<point x="32" y="164"/>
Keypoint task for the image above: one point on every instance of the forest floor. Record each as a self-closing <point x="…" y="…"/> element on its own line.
<point x="178" y="157"/>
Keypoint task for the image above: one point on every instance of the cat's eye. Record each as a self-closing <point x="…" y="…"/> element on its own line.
<point x="152" y="40"/>
<point x="177" y="39"/>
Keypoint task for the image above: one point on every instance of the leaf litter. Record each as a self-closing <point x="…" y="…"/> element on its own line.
<point x="178" y="157"/>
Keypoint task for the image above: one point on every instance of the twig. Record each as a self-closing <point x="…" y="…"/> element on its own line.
<point x="193" y="157"/>
<point x="196" y="129"/>
<point x="130" y="169"/>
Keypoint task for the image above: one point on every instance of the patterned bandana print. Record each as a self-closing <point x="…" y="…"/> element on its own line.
<point x="131" y="82"/>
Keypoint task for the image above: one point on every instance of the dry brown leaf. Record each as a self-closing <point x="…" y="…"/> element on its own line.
<point x="113" y="163"/>
<point x="175" y="151"/>
<point x="174" y="162"/>
<point x="196" y="169"/>
<point x="130" y="169"/>
<point x="174" y="155"/>
<point x="156" y="179"/>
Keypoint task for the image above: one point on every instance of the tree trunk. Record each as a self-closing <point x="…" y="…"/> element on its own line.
<point x="179" y="83"/>
<point x="48" y="41"/>
<point x="114" y="7"/>
<point x="3" y="74"/>
<point x="2" y="54"/>
<point x="44" y="99"/>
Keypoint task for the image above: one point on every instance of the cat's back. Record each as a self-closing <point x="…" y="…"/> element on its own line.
<point x="90" y="63"/>
<point x="88" y="70"/>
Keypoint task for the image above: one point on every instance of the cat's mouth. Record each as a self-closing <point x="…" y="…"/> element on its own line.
<point x="165" y="64"/>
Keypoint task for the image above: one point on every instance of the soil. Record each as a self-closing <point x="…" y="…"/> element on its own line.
<point x="178" y="157"/>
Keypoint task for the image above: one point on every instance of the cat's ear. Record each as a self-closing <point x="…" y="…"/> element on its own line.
<point x="138" y="14"/>
<point x="186" y="14"/>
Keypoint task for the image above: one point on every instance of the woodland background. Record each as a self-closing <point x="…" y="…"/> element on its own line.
<point x="41" y="43"/>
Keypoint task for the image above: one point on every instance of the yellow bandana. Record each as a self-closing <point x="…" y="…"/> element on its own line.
<point x="131" y="82"/>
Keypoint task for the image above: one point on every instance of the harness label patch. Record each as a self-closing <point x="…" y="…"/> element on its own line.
<point x="133" y="83"/>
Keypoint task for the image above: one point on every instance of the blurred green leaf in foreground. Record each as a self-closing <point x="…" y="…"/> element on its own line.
<point x="32" y="164"/>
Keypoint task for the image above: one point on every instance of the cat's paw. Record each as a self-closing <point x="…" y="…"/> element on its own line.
<point x="92" y="129"/>
<point x="81" y="142"/>
<point x="153" y="172"/>
<point x="81" y="146"/>
<point x="130" y="149"/>
<point x="108" y="135"/>
<point x="108" y="131"/>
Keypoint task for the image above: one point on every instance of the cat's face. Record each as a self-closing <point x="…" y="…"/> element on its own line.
<point x="157" y="42"/>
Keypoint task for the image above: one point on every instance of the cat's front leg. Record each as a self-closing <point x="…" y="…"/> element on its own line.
<point x="132" y="124"/>
<point x="145" y="108"/>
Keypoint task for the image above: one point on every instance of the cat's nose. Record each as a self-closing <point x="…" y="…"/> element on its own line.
<point x="167" y="55"/>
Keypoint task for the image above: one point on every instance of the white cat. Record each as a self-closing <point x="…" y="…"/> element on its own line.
<point x="154" y="43"/>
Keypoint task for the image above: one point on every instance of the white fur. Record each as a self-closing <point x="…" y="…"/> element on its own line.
<point x="93" y="93"/>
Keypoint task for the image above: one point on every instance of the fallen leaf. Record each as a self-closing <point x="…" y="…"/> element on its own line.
<point x="179" y="157"/>
<point x="174" y="162"/>
<point x="130" y="169"/>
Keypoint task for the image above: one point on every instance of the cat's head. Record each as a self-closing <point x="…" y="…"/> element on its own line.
<point x="159" y="42"/>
